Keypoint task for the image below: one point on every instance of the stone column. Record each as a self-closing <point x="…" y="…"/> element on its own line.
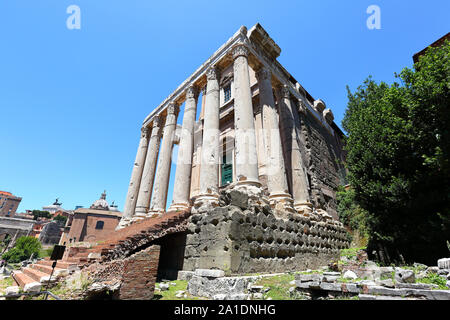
<point x="135" y="181"/>
<point x="276" y="174"/>
<point x="159" y="197"/>
<point x="145" y="191"/>
<point x="244" y="124"/>
<point x="209" y="170"/>
<point x="181" y="188"/>
<point x="294" y="163"/>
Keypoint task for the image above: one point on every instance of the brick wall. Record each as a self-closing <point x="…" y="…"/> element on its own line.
<point x="139" y="275"/>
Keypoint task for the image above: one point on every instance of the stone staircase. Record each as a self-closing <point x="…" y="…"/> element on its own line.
<point x="123" y="242"/>
<point x="32" y="277"/>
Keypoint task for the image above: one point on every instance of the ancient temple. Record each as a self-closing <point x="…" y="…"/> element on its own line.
<point x="258" y="133"/>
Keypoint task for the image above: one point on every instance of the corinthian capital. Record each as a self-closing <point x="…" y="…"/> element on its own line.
<point x="240" y="50"/>
<point x="284" y="91"/>
<point x="212" y="73"/>
<point x="172" y="108"/>
<point x="263" y="74"/>
<point x="191" y="92"/>
<point x="156" y="122"/>
<point x="144" y="132"/>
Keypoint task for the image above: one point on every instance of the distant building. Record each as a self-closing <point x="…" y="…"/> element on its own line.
<point x="53" y="208"/>
<point x="50" y="233"/>
<point x="8" y="204"/>
<point x="91" y="224"/>
<point x="437" y="43"/>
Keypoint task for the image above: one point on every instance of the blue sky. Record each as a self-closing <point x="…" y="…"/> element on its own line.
<point x="72" y="101"/>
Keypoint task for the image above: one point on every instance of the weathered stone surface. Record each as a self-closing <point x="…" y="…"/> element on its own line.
<point x="308" y="277"/>
<point x="185" y="275"/>
<point x="329" y="278"/>
<point x="210" y="273"/>
<point x="404" y="276"/>
<point x="32" y="287"/>
<point x="330" y="286"/>
<point x="386" y="283"/>
<point x="425" y="286"/>
<point x="12" y="290"/>
<point x="349" y="275"/>
<point x="209" y="287"/>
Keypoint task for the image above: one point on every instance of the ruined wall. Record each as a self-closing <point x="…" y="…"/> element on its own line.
<point x="324" y="161"/>
<point x="132" y="278"/>
<point x="253" y="239"/>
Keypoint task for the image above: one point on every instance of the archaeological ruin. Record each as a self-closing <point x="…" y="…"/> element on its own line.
<point x="257" y="168"/>
<point x="259" y="161"/>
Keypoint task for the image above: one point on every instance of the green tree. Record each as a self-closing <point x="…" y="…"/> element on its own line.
<point x="398" y="148"/>
<point x="60" y="219"/>
<point x="40" y="214"/>
<point x="24" y="248"/>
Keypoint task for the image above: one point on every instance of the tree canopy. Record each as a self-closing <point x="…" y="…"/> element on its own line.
<point x="398" y="148"/>
<point x="23" y="249"/>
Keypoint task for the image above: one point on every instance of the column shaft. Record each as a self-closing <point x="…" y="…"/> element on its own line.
<point x="182" y="183"/>
<point x="276" y="173"/>
<point x="209" y="171"/>
<point x="294" y="162"/>
<point x="244" y="124"/>
<point x="136" y="174"/>
<point x="159" y="196"/>
<point x="145" y="190"/>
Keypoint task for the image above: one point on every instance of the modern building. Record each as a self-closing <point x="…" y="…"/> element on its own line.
<point x="8" y="204"/>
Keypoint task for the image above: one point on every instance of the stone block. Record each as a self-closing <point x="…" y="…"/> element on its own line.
<point x="333" y="274"/>
<point x="367" y="297"/>
<point x="12" y="290"/>
<point x="210" y="273"/>
<point x="185" y="275"/>
<point x="308" y="277"/>
<point x="32" y="287"/>
<point x="386" y="283"/>
<point x="404" y="276"/>
<point x="350" y="287"/>
<point x="330" y="278"/>
<point x="444" y="263"/>
<point x="349" y="275"/>
<point x="301" y="285"/>
<point x="315" y="285"/>
<point x="330" y="286"/>
<point x="423" y="286"/>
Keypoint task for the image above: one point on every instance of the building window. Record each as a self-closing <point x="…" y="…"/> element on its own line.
<point x="99" y="225"/>
<point x="227" y="93"/>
